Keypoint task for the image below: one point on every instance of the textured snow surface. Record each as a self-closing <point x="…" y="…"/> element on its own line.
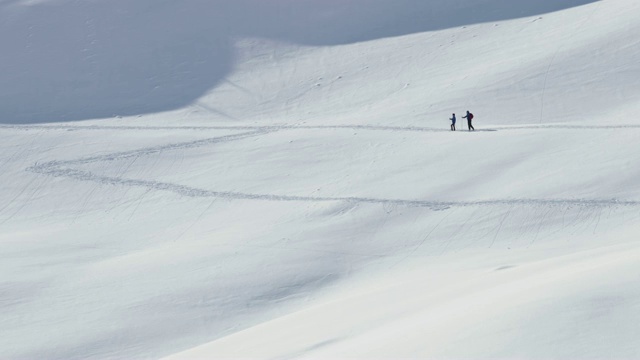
<point x="217" y="179"/>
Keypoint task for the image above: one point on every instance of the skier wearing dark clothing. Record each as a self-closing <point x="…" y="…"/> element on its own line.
<point x="469" y="117"/>
<point x="453" y="122"/>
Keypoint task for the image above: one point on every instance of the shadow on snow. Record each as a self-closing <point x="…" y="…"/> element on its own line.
<point x="69" y="60"/>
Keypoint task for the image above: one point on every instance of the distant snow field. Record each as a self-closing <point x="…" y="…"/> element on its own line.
<point x="250" y="179"/>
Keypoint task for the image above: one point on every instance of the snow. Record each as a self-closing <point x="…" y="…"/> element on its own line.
<point x="251" y="179"/>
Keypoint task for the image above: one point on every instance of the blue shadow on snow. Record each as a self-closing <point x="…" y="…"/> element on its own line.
<point x="67" y="60"/>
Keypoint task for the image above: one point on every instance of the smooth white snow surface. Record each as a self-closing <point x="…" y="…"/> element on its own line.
<point x="277" y="179"/>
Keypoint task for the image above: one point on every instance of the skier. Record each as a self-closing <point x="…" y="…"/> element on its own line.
<point x="469" y="117"/>
<point x="453" y="122"/>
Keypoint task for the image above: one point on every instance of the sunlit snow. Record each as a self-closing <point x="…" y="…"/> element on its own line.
<point x="224" y="179"/>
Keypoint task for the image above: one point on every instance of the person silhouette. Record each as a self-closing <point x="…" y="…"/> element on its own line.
<point x="469" y="117"/>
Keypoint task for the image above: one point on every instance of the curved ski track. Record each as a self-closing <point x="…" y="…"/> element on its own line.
<point x="66" y="169"/>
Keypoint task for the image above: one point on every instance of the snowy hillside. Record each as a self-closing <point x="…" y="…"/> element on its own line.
<point x="277" y="179"/>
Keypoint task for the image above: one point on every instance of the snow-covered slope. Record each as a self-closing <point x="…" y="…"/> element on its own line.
<point x="253" y="179"/>
<point x="76" y="60"/>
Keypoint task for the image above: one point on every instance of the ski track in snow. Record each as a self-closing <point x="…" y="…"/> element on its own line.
<point x="65" y="169"/>
<point x="272" y="128"/>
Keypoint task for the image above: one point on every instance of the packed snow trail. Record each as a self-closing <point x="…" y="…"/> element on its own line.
<point x="66" y="169"/>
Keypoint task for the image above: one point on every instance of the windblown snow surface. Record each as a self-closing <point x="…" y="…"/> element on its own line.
<point x="223" y="179"/>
